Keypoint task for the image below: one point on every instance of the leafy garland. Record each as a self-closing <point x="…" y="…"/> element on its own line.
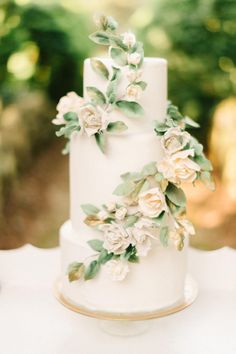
<point x="153" y="206"/>
<point x="92" y="117"/>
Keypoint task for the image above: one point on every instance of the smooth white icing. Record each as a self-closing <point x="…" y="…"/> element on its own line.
<point x="156" y="282"/>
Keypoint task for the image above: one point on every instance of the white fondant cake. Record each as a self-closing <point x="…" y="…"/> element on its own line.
<point x="158" y="280"/>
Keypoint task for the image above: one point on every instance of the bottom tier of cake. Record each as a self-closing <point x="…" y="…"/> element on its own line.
<point x="156" y="282"/>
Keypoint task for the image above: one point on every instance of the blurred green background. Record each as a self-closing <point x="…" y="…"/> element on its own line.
<point x="42" y="48"/>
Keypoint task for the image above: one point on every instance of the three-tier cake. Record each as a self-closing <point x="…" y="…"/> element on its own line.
<point x="124" y="248"/>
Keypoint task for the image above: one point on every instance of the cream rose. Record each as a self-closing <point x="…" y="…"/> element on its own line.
<point x="111" y="207"/>
<point x="179" y="167"/>
<point x="116" y="239"/>
<point x="129" y="39"/>
<point x="174" y="140"/>
<point x="141" y="236"/>
<point x="117" y="269"/>
<point x="92" y="119"/>
<point x="133" y="92"/>
<point x="134" y="58"/>
<point x="120" y="213"/>
<point x="152" y="202"/>
<point x="69" y="103"/>
<point x="134" y="75"/>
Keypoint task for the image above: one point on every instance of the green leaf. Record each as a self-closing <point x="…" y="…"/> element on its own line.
<point x="104" y="256"/>
<point x="119" y="56"/>
<point x="130" y="220"/>
<point x="191" y="123"/>
<point x="96" y="95"/>
<point x="111" y="23"/>
<point x="69" y="116"/>
<point x="164" y="236"/>
<point x="134" y="258"/>
<point x="131" y="176"/>
<point x="159" y="177"/>
<point x="100" y="37"/>
<point x="112" y="91"/>
<point x="75" y="271"/>
<point x="124" y="189"/>
<point x="203" y="162"/>
<point x="130" y="251"/>
<point x="89" y="209"/>
<point x="142" y="84"/>
<point x="149" y="169"/>
<point x="96" y="245"/>
<point x="175" y="195"/>
<point x="138" y="187"/>
<point x="160" y="127"/>
<point x="99" y="68"/>
<point x="117" y="42"/>
<point x="116" y="73"/>
<point x="130" y="108"/>
<point x="92" y="270"/>
<point x="206" y="178"/>
<point x="101" y="141"/>
<point x="116" y="127"/>
<point x="160" y="219"/>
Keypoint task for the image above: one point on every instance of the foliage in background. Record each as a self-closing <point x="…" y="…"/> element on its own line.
<point x="198" y="39"/>
<point x="41" y="58"/>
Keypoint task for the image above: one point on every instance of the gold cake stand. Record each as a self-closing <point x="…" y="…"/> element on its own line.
<point x="128" y="323"/>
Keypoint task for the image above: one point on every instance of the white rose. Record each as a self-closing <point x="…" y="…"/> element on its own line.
<point x="152" y="202"/>
<point x="111" y="207"/>
<point x="69" y="103"/>
<point x="134" y="58"/>
<point x="117" y="269"/>
<point x="116" y="239"/>
<point x="102" y="215"/>
<point x="134" y="75"/>
<point x="179" y="167"/>
<point x="174" y="140"/>
<point x="141" y="240"/>
<point x="129" y="39"/>
<point x="133" y="92"/>
<point x="120" y="213"/>
<point x="92" y="119"/>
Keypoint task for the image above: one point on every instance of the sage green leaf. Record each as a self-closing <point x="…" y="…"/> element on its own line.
<point x="69" y="116"/>
<point x="101" y="141"/>
<point x="160" y="219"/>
<point x="100" y="37"/>
<point x="130" y="251"/>
<point x="133" y="258"/>
<point x="145" y="186"/>
<point x="116" y="127"/>
<point x="207" y="179"/>
<point x="173" y="112"/>
<point x="104" y="256"/>
<point x="124" y="189"/>
<point x="96" y="95"/>
<point x="138" y="187"/>
<point x="142" y="84"/>
<point x="119" y="56"/>
<point x="116" y="73"/>
<point x="175" y="195"/>
<point x="160" y="127"/>
<point x="130" y="108"/>
<point x="159" y="177"/>
<point x="96" y="245"/>
<point x="131" y="176"/>
<point x="75" y="271"/>
<point x="92" y="270"/>
<point x="117" y="42"/>
<point x="164" y="236"/>
<point x="89" y="209"/>
<point x="130" y="220"/>
<point x="149" y="169"/>
<point x="203" y="162"/>
<point x="99" y="68"/>
<point x="111" y="91"/>
<point x="111" y="23"/>
<point x="191" y="123"/>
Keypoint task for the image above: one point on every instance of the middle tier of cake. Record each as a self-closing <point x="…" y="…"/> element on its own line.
<point x="94" y="176"/>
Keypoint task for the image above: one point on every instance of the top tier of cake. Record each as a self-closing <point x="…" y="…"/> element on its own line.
<point x="153" y="99"/>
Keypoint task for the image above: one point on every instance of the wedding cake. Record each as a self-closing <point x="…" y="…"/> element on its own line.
<point x="124" y="248"/>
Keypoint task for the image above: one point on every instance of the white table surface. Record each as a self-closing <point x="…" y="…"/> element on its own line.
<point x="33" y="322"/>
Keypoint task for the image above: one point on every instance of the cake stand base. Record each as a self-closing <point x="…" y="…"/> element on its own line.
<point x="125" y="328"/>
<point x="128" y="323"/>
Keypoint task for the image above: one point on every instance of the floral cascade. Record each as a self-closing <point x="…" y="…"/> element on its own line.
<point x="92" y="117"/>
<point x="152" y="206"/>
